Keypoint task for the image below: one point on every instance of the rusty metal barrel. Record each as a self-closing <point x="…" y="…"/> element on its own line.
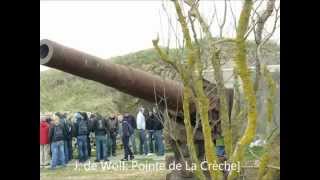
<point x="131" y="81"/>
<point x="125" y="79"/>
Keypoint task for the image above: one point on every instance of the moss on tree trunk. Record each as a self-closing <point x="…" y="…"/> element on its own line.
<point x="248" y="89"/>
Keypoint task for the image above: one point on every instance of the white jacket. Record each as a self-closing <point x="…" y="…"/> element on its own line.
<point x="141" y="121"/>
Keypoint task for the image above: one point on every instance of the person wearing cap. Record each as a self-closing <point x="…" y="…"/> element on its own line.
<point x="44" y="142"/>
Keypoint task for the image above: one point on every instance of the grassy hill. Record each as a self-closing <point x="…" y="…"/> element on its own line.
<point x="64" y="92"/>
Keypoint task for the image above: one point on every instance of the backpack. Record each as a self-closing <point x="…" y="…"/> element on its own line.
<point x="101" y="124"/>
<point x="83" y="127"/>
<point x="58" y="132"/>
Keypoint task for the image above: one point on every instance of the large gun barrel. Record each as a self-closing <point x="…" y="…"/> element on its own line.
<point x="128" y="80"/>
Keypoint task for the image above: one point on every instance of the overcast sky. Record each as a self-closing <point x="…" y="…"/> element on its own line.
<point x="113" y="28"/>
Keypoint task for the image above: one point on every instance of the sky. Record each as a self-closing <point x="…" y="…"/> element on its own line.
<point x="114" y="28"/>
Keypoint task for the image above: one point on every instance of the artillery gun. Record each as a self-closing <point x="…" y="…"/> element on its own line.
<point x="142" y="85"/>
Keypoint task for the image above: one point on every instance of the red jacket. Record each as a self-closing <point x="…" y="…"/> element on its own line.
<point x="44" y="132"/>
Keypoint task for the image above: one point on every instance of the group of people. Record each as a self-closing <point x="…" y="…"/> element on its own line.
<point x="147" y="129"/>
<point x="57" y="134"/>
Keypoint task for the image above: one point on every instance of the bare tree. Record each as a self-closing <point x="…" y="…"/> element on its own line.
<point x="190" y="69"/>
<point x="258" y="28"/>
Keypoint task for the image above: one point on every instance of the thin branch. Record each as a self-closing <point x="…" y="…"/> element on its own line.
<point x="253" y="154"/>
<point x="261" y="20"/>
<point x="193" y="29"/>
<point x="226" y="40"/>
<point x="273" y="167"/>
<point x="233" y="16"/>
<point x="258" y="29"/>
<point x="197" y="125"/>
<point x="212" y="17"/>
<point x="224" y="18"/>
<point x="215" y="9"/>
<point x="254" y="22"/>
<point x="266" y="39"/>
<point x="163" y="55"/>
<point x="170" y="24"/>
<point x="183" y="23"/>
<point x="169" y="126"/>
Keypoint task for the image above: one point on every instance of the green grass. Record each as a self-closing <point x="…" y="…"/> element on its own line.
<point x="70" y="172"/>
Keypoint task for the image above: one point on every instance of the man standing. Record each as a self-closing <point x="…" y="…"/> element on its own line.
<point x="90" y="124"/>
<point x="70" y="129"/>
<point x="158" y="130"/>
<point x="120" y="118"/>
<point x="44" y="142"/>
<point x="101" y="128"/>
<point x="127" y="131"/>
<point x="150" y="131"/>
<point x="82" y="131"/>
<point x="114" y="127"/>
<point x="63" y="122"/>
<point x="50" y="122"/>
<point x="132" y="141"/>
<point x="141" y="127"/>
<point x="56" y="137"/>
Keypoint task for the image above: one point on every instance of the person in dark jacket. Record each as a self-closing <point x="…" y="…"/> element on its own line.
<point x="90" y="124"/>
<point x="67" y="143"/>
<point x="49" y="121"/>
<point x="114" y="130"/>
<point x="101" y="128"/>
<point x="150" y="131"/>
<point x="132" y="141"/>
<point x="158" y="132"/>
<point x="127" y="131"/>
<point x="70" y="129"/>
<point x="82" y="131"/>
<point x="57" y="135"/>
